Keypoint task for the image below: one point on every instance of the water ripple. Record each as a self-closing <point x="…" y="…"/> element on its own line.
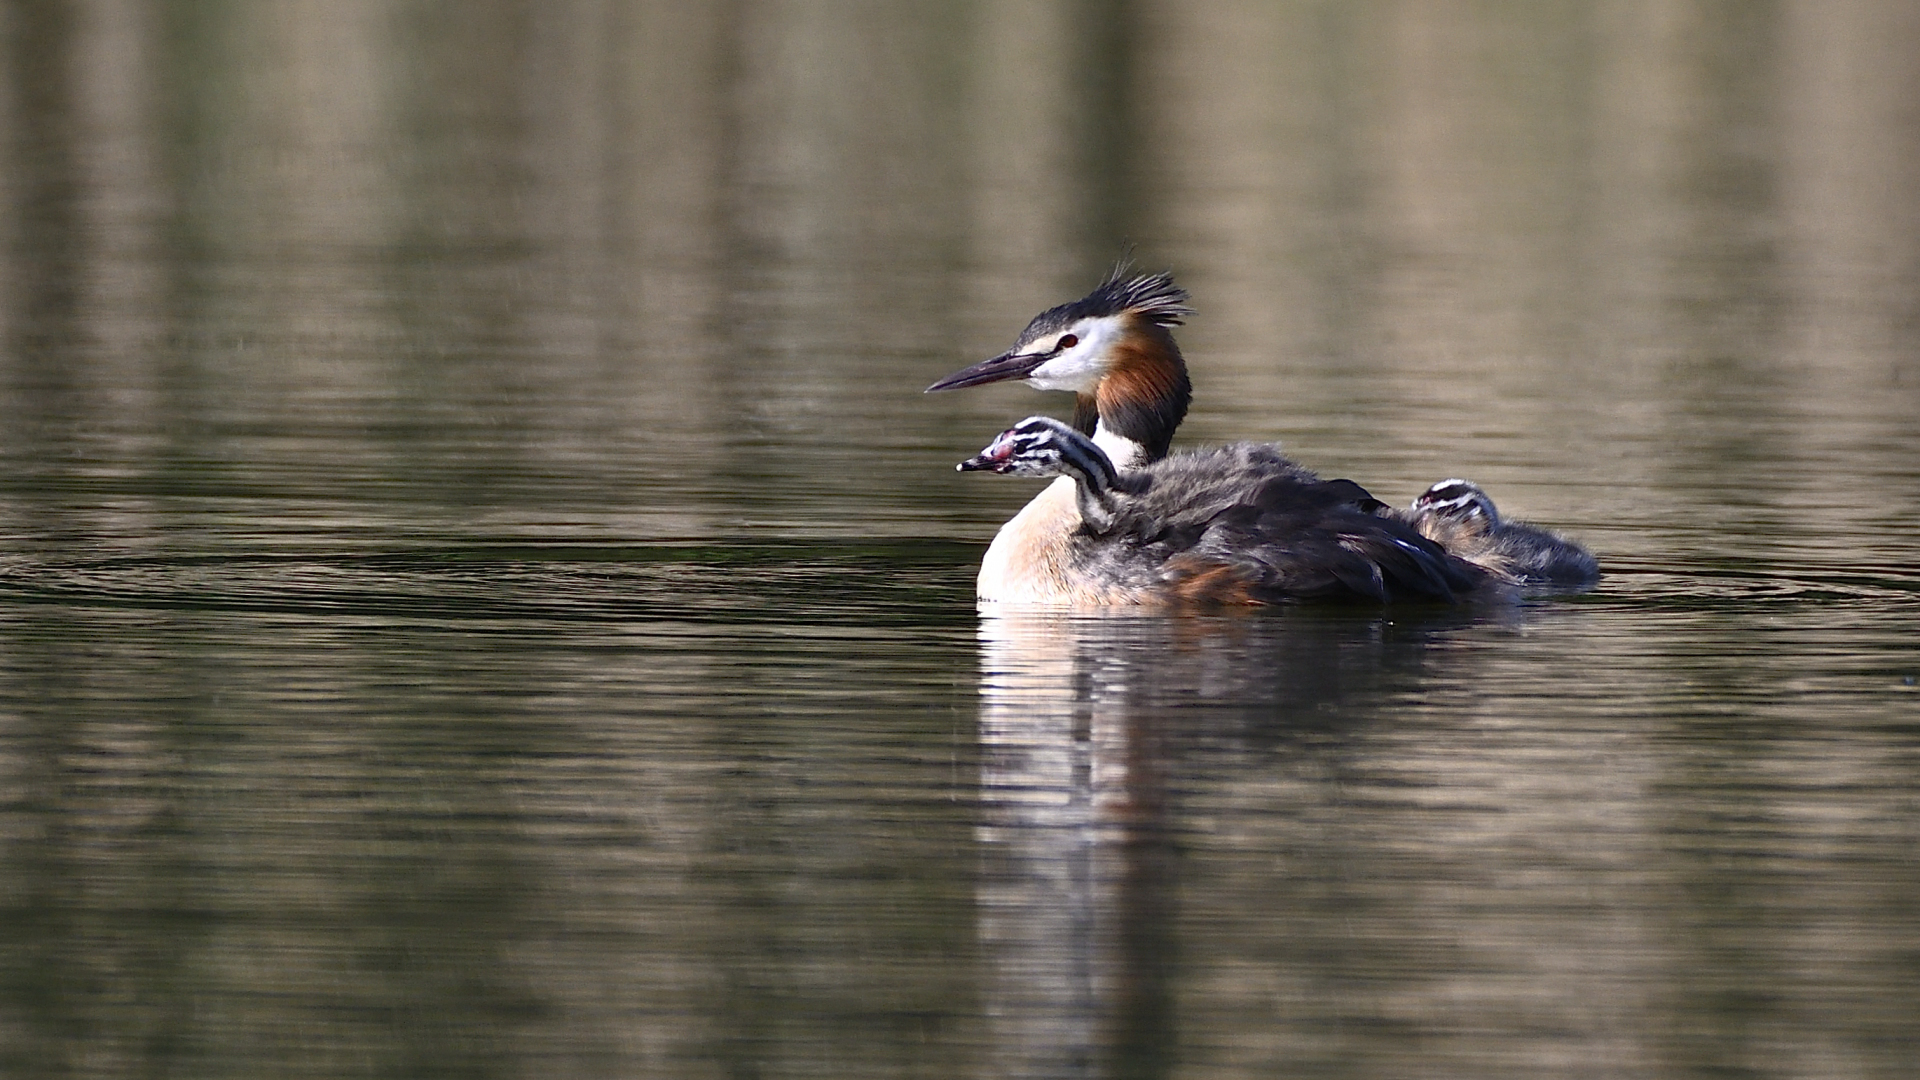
<point x="520" y="582"/>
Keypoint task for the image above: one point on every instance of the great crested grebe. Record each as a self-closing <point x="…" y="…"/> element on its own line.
<point x="1459" y="516"/>
<point x="1238" y="524"/>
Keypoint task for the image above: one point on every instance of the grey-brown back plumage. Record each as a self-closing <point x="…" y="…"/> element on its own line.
<point x="1243" y="523"/>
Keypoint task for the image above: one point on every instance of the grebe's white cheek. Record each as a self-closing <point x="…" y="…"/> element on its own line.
<point x="1078" y="369"/>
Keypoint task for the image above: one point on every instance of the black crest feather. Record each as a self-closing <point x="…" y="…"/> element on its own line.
<point x="1153" y="297"/>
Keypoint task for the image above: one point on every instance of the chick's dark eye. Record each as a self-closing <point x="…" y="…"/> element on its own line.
<point x="1067" y="341"/>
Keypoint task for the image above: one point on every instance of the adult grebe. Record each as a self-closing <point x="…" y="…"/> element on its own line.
<point x="1239" y="524"/>
<point x="1458" y="515"/>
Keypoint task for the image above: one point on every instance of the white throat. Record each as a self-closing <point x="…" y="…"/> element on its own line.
<point x="1122" y="451"/>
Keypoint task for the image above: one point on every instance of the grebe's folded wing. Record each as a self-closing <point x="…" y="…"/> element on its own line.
<point x="1355" y="495"/>
<point x="1315" y="540"/>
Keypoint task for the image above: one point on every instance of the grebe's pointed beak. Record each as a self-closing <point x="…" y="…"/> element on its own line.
<point x="1010" y="365"/>
<point x="995" y="458"/>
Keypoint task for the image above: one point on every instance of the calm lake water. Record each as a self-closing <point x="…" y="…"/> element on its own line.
<point x="484" y="595"/>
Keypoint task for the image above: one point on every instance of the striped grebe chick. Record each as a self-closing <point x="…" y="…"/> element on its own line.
<point x="1238" y="524"/>
<point x="1459" y="516"/>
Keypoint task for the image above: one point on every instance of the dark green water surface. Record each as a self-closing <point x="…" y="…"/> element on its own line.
<point x="482" y="593"/>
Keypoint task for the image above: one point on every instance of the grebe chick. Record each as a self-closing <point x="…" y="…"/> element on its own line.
<point x="1239" y="524"/>
<point x="1459" y="516"/>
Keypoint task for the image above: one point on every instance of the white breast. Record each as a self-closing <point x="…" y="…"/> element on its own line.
<point x="1026" y="561"/>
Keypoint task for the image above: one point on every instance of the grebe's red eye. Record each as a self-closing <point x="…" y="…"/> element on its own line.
<point x="1067" y="341"/>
